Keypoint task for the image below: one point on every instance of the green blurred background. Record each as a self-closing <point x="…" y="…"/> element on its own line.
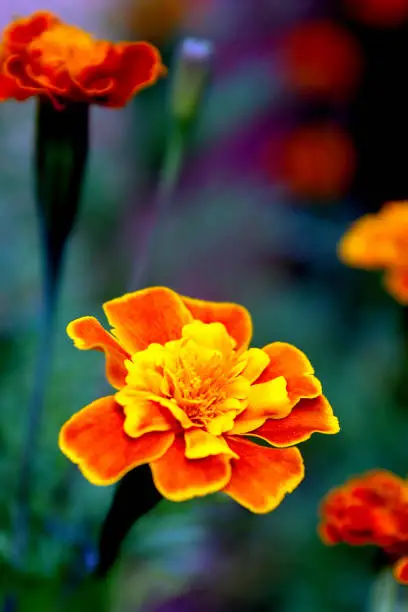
<point x="282" y="159"/>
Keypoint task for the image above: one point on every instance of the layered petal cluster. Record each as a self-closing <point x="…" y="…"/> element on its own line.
<point x="40" y="55"/>
<point x="380" y="242"/>
<point x="370" y="509"/>
<point x="192" y="400"/>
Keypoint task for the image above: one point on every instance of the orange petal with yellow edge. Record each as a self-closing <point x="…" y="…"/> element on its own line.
<point x="94" y="439"/>
<point x="88" y="333"/>
<point x="178" y="478"/>
<point x="234" y="317"/>
<point x="288" y="361"/>
<point x="256" y="364"/>
<point x="396" y="283"/>
<point x="144" y="416"/>
<point x="307" y="417"/>
<point x="284" y="360"/>
<point x="266" y="400"/>
<point x="401" y="570"/>
<point x="201" y="444"/>
<point x="156" y="314"/>
<point x="262" y="476"/>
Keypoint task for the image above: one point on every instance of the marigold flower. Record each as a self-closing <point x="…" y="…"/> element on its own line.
<point x="379" y="241"/>
<point x="191" y="397"/>
<point x="322" y="59"/>
<point x="388" y="13"/>
<point x="40" y="55"/>
<point x="159" y="20"/>
<point x="318" y="161"/>
<point x="370" y="509"/>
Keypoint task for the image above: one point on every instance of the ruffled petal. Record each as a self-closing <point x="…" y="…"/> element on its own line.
<point x="22" y="31"/>
<point x="396" y="283"/>
<point x="288" y="361"/>
<point x="401" y="570"/>
<point x="268" y="400"/>
<point x="178" y="478"/>
<point x="211" y="336"/>
<point x="201" y="444"/>
<point x="261" y="477"/>
<point x="307" y="417"/>
<point x="256" y="364"/>
<point x="234" y="317"/>
<point x="139" y="66"/>
<point x="156" y="314"/>
<point x="144" y="416"/>
<point x="285" y="360"/>
<point x="88" y="333"/>
<point x="95" y="440"/>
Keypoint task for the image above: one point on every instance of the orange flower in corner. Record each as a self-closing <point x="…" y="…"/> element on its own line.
<point x="379" y="241"/>
<point x="370" y="509"/>
<point x="190" y="399"/>
<point x="41" y="55"/>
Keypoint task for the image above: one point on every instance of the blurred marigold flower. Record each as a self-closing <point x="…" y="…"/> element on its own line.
<point x="318" y="161"/>
<point x="379" y="13"/>
<point x="191" y="397"/>
<point x="322" y="59"/>
<point x="370" y="509"/>
<point x="40" y="55"/>
<point x="379" y="242"/>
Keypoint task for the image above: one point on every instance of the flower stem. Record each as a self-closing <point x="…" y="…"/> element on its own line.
<point x="35" y="409"/>
<point x="169" y="176"/>
<point x="384" y="593"/>
<point x="61" y="149"/>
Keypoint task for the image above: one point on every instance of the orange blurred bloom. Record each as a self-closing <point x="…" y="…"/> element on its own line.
<point x="388" y="13"/>
<point x="159" y="20"/>
<point x="370" y="509"/>
<point x="322" y="59"/>
<point x="318" y="161"/>
<point x="380" y="241"/>
<point x="189" y="394"/>
<point x="42" y="56"/>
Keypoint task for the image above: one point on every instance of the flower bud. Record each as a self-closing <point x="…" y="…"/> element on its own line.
<point x="191" y="74"/>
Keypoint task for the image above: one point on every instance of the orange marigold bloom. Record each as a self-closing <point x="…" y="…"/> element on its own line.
<point x="189" y="394"/>
<point x="40" y="55"/>
<point x="160" y="20"/>
<point x="322" y="59"/>
<point x="379" y="241"/>
<point x="370" y="509"/>
<point x="318" y="161"/>
<point x="391" y="13"/>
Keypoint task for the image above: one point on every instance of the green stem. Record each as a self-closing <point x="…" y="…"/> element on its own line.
<point x="35" y="410"/>
<point x="61" y="149"/>
<point x="384" y="593"/>
<point x="169" y="177"/>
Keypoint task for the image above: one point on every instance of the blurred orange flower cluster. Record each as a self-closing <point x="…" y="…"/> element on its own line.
<point x="191" y="398"/>
<point x="158" y="20"/>
<point x="322" y="62"/>
<point x="383" y="13"/>
<point x="370" y="509"/>
<point x="318" y="161"/>
<point x="380" y="241"/>
<point x="322" y="59"/>
<point x="42" y="56"/>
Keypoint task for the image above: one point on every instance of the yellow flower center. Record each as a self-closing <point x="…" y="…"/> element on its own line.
<point x="69" y="48"/>
<point x="197" y="378"/>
